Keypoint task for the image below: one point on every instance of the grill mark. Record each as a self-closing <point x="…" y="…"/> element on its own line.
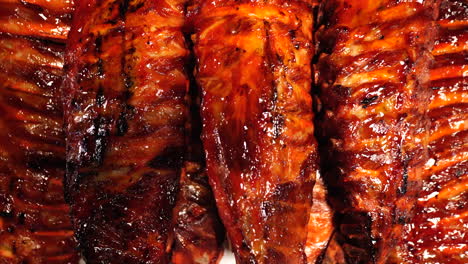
<point x="122" y="125"/>
<point x="42" y="104"/>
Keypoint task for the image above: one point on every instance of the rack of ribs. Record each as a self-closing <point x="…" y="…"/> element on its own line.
<point x="125" y="112"/>
<point x="372" y="74"/>
<point x="34" y="224"/>
<point x="438" y="232"/>
<point x="253" y="68"/>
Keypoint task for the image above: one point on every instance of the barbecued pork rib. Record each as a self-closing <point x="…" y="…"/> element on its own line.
<point x="439" y="231"/>
<point x="372" y="74"/>
<point x="125" y="114"/>
<point x="253" y="67"/>
<point x="198" y="231"/>
<point x="34" y="224"/>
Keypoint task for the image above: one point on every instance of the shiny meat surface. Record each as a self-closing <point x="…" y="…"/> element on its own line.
<point x="439" y="231"/>
<point x="125" y="112"/>
<point x="372" y="74"/>
<point x="253" y="67"/>
<point x="198" y="231"/>
<point x="320" y="226"/>
<point x="34" y="223"/>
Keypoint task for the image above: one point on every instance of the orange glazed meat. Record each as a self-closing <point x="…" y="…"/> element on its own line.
<point x="253" y="68"/>
<point x="372" y="75"/>
<point x="320" y="226"/>
<point x="439" y="231"/>
<point x="125" y="114"/>
<point x="34" y="224"/>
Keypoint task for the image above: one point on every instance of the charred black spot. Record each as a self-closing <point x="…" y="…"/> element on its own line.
<point x="368" y="100"/>
<point x="171" y="157"/>
<point x="404" y="185"/>
<point x="402" y="220"/>
<point x="21" y="218"/>
<point x="98" y="44"/>
<point x="100" y="98"/>
<point x="292" y="34"/>
<point x="122" y="125"/>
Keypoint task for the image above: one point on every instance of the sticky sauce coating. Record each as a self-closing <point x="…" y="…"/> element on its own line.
<point x="34" y="224"/>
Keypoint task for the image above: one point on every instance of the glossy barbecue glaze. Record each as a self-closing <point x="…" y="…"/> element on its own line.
<point x="372" y="74"/>
<point x="320" y="226"/>
<point x="198" y="231"/>
<point x="439" y="231"/>
<point x="253" y="66"/>
<point x="125" y="116"/>
<point x="34" y="223"/>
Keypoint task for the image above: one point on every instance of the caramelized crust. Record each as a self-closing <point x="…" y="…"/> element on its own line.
<point x="253" y="67"/>
<point x="34" y="223"/>
<point x="371" y="73"/>
<point x="439" y="231"/>
<point x="125" y="114"/>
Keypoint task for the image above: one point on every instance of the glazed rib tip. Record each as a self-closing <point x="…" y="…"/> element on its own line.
<point x="125" y="112"/>
<point x="253" y="69"/>
<point x="34" y="222"/>
<point x="372" y="74"/>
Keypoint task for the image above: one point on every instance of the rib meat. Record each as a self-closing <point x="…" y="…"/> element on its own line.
<point x="320" y="226"/>
<point x="125" y="114"/>
<point x="34" y="224"/>
<point x="439" y="231"/>
<point x="253" y="67"/>
<point x="198" y="231"/>
<point x="372" y="75"/>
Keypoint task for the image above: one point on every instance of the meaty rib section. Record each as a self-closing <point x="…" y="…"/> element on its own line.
<point x="125" y="114"/>
<point x="372" y="73"/>
<point x="253" y="67"/>
<point x="439" y="231"/>
<point x="34" y="223"/>
<point x="198" y="231"/>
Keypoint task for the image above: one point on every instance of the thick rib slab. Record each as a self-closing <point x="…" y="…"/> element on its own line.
<point x="253" y="67"/>
<point x="439" y="231"/>
<point x="34" y="223"/>
<point x="125" y="126"/>
<point x="372" y="72"/>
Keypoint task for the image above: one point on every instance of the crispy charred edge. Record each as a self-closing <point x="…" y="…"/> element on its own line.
<point x="34" y="222"/>
<point x="444" y="194"/>
<point x="201" y="12"/>
<point x="355" y="227"/>
<point x="122" y="205"/>
<point x="198" y="231"/>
